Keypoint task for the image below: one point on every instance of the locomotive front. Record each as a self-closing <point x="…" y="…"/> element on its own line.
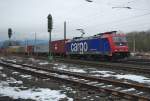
<point x="119" y="46"/>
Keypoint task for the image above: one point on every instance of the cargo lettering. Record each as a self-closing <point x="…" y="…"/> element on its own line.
<point x="79" y="47"/>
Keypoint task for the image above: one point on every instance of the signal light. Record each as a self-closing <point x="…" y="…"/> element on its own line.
<point x="9" y="33"/>
<point x="50" y="23"/>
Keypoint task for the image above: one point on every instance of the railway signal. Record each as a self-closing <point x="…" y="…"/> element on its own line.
<point x="50" y="25"/>
<point x="9" y="34"/>
<point x="89" y="0"/>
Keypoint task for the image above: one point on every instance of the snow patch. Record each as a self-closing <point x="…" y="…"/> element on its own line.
<point x="77" y="70"/>
<point x="14" y="65"/>
<point x="12" y="60"/>
<point x="104" y="75"/>
<point x="103" y="72"/>
<point x="12" y="80"/>
<point x="56" y="64"/>
<point x="43" y="63"/>
<point x="39" y="94"/>
<point x="128" y="90"/>
<point x="32" y="59"/>
<point x="3" y="75"/>
<point x="1" y="68"/>
<point x="43" y="72"/>
<point x="2" y="58"/>
<point x="26" y="76"/>
<point x="15" y="73"/>
<point x="3" y="84"/>
<point x="63" y="76"/>
<point x="137" y="78"/>
<point x="71" y="69"/>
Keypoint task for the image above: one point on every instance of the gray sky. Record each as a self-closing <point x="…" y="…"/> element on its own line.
<point x="26" y="17"/>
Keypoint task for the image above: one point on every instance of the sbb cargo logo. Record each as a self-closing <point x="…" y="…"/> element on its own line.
<point x="79" y="47"/>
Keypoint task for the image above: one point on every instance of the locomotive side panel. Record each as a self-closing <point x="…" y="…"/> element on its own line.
<point x="90" y="46"/>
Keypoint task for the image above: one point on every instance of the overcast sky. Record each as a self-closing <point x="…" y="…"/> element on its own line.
<point x="26" y="17"/>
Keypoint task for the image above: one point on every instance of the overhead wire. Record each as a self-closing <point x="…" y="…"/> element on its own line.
<point x="99" y="27"/>
<point x="113" y="21"/>
<point x="117" y="21"/>
<point x="125" y="19"/>
<point x="134" y="24"/>
<point x="128" y="18"/>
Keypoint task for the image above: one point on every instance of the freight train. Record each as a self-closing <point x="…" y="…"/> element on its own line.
<point x="108" y="45"/>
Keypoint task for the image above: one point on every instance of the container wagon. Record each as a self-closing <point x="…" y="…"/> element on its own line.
<point x="58" y="47"/>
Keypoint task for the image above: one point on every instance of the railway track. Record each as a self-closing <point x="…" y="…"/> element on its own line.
<point x="133" y="67"/>
<point x="121" y="89"/>
<point x="118" y="66"/>
<point x="129" y="65"/>
<point x="137" y="62"/>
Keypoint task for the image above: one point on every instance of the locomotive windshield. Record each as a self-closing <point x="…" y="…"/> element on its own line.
<point x="120" y="40"/>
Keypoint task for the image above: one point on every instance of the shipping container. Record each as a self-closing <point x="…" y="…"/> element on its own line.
<point x="21" y="49"/>
<point x="41" y="48"/>
<point x="1" y="50"/>
<point x="29" y="49"/>
<point x="58" y="47"/>
<point x="13" y="49"/>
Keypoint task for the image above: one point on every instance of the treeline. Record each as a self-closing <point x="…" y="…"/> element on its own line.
<point x="139" y="41"/>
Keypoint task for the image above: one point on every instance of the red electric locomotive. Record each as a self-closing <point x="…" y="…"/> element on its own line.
<point x="118" y="44"/>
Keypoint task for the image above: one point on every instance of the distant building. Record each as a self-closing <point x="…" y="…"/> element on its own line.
<point x="7" y="43"/>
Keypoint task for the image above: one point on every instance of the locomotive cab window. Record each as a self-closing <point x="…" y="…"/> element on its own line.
<point x="120" y="40"/>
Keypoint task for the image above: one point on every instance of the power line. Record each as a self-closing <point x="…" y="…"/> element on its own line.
<point x="121" y="20"/>
<point x="140" y="9"/>
<point x="135" y="24"/>
<point x="125" y="19"/>
<point x="134" y="21"/>
<point x="128" y="25"/>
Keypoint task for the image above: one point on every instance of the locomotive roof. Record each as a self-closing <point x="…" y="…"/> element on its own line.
<point x="99" y="35"/>
<point x="84" y="38"/>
